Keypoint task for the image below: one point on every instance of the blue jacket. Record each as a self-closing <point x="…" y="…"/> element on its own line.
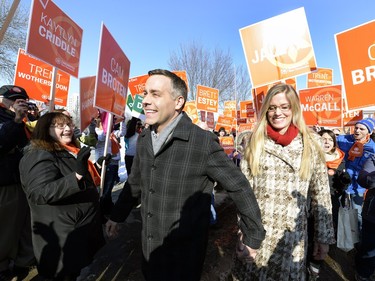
<point x="345" y="142"/>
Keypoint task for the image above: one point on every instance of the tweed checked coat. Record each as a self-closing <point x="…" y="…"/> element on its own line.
<point x="284" y="200"/>
<point x="175" y="187"/>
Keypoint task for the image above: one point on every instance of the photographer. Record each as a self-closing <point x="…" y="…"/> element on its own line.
<point x="15" y="233"/>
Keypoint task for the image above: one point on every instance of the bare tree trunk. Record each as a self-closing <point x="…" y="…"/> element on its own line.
<point x="8" y="19"/>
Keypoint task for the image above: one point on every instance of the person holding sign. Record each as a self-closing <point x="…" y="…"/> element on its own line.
<point x="174" y="171"/>
<point x="358" y="147"/>
<point x="285" y="165"/>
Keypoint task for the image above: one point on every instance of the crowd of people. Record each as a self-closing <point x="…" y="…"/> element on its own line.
<point x="287" y="180"/>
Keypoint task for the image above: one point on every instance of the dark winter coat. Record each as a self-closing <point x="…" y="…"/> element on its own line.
<point x="175" y="187"/>
<point x="65" y="219"/>
<point x="13" y="139"/>
<point x="366" y="178"/>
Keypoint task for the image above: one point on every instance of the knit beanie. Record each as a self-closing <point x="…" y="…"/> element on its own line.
<point x="369" y="123"/>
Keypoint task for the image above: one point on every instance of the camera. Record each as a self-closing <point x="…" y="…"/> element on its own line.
<point x="31" y="106"/>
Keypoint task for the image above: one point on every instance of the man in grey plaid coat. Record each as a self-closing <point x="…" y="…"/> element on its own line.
<point x="174" y="170"/>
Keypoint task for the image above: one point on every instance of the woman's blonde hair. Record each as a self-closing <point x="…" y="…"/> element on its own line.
<point x="255" y="147"/>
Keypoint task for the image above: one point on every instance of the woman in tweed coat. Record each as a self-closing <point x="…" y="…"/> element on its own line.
<point x="285" y="165"/>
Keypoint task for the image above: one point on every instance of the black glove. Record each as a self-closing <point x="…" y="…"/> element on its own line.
<point x="82" y="160"/>
<point x="107" y="158"/>
<point x="345" y="178"/>
<point x="341" y="181"/>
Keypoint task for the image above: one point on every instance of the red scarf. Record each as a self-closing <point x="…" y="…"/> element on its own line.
<point x="93" y="172"/>
<point x="285" y="139"/>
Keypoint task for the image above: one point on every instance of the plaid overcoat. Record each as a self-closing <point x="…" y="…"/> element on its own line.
<point x="175" y="186"/>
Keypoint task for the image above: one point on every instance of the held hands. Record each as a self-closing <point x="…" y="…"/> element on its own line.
<point x="82" y="160"/>
<point x="112" y="229"/>
<point x="245" y="253"/>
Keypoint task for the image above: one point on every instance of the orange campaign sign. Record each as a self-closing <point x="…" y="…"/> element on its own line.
<point x="320" y="77"/>
<point x="207" y="98"/>
<point x="322" y="106"/>
<point x="245" y="127"/>
<point x="226" y="122"/>
<point x="191" y="110"/>
<point x="36" y="77"/>
<point x="137" y="85"/>
<point x="87" y="92"/>
<point x="246" y="109"/>
<point x="356" y="52"/>
<point x="113" y="76"/>
<point x="350" y="118"/>
<point x="182" y="74"/>
<point x="54" y="37"/>
<point x="278" y="48"/>
<point x="227" y="143"/>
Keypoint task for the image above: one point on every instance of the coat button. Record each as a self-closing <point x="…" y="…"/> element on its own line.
<point x="151" y="191"/>
<point x="149" y="215"/>
<point x="150" y="237"/>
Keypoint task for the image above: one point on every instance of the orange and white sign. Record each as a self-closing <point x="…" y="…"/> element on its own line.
<point x="246" y="109"/>
<point x="191" y="110"/>
<point x="226" y="122"/>
<point x="227" y="143"/>
<point x="36" y="77"/>
<point x="278" y="48"/>
<point x="54" y="37"/>
<point x="207" y="98"/>
<point x="87" y="92"/>
<point x="113" y="76"/>
<point x="350" y="118"/>
<point x="320" y="77"/>
<point x="182" y="74"/>
<point x="137" y="85"/>
<point x="245" y="127"/>
<point x="322" y="106"/>
<point x="356" y="52"/>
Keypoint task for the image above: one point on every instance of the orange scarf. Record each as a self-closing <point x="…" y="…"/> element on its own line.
<point x="334" y="164"/>
<point x="357" y="148"/>
<point x="115" y="145"/>
<point x="93" y="172"/>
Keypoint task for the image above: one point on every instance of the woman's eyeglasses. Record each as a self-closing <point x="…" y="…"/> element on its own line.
<point x="283" y="107"/>
<point x="62" y="126"/>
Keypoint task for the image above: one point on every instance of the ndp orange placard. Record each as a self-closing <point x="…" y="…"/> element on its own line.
<point x="137" y="85"/>
<point x="36" y="77"/>
<point x="207" y="98"/>
<point x="356" y="52"/>
<point x="54" y="37"/>
<point x="87" y="92"/>
<point x="322" y="106"/>
<point x="278" y="48"/>
<point x="246" y="109"/>
<point x="320" y="78"/>
<point x="191" y="110"/>
<point x="350" y="118"/>
<point x="113" y="75"/>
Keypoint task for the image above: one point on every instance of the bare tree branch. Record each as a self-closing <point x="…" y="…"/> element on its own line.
<point x="14" y="38"/>
<point x="213" y="69"/>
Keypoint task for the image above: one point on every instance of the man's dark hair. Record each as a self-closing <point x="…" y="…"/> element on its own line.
<point x="178" y="85"/>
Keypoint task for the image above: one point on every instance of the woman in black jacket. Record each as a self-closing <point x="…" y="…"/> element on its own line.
<point x="60" y="184"/>
<point x="365" y="257"/>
